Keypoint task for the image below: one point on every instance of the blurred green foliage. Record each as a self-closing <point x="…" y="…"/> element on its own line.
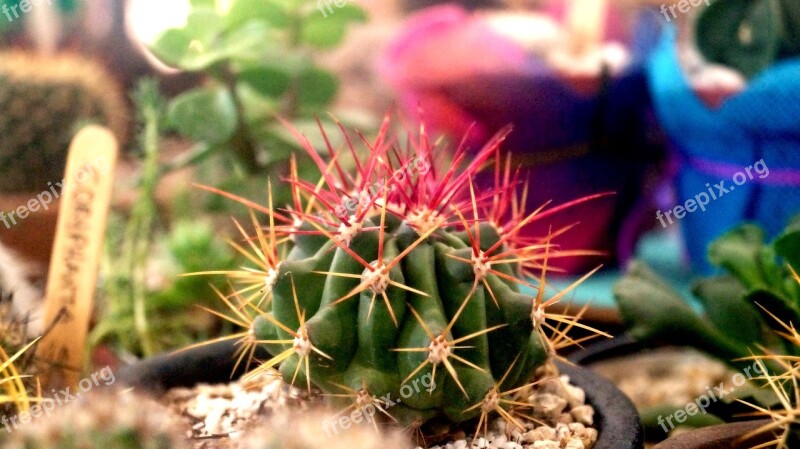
<point x="749" y="35"/>
<point x="260" y="59"/>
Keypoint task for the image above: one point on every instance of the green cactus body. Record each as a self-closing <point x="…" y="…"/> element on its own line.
<point x="43" y="102"/>
<point x="361" y="337"/>
<point x="410" y="301"/>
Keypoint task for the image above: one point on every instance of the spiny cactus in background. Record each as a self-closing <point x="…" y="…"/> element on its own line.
<point x="18" y="386"/>
<point x="302" y="431"/>
<point x="19" y="389"/>
<point x="102" y="419"/>
<point x="400" y="280"/>
<point x="749" y="35"/>
<point x="43" y="102"/>
<point x="785" y="385"/>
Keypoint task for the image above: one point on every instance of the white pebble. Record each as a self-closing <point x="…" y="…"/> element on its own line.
<point x="584" y="414"/>
<point x="574" y="443"/>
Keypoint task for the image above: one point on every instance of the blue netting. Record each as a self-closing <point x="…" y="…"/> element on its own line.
<point x="762" y="122"/>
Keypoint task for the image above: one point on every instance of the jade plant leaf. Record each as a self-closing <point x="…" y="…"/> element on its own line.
<point x="269" y="81"/>
<point x="179" y="48"/>
<point x="327" y="30"/>
<point x="204" y="114"/>
<point x="203" y="26"/>
<point x="273" y="12"/>
<point x="316" y="87"/>
<point x="172" y="46"/>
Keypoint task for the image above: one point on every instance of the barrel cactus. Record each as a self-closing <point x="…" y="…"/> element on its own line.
<point x="399" y="287"/>
<point x="43" y="101"/>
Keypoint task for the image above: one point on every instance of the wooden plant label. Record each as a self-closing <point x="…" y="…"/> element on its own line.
<point x="69" y="298"/>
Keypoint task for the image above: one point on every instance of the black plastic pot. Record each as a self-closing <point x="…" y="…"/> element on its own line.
<point x="615" y="416"/>
<point x="209" y="364"/>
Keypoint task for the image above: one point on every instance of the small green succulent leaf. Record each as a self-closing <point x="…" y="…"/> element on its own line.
<point x="787" y="245"/>
<point x="207" y="115"/>
<point x="327" y="29"/>
<point x="249" y="43"/>
<point x="724" y="302"/>
<point x="203" y="25"/>
<point x="269" y="81"/>
<point x="172" y="47"/>
<point x="742" y="252"/>
<point x="178" y="48"/>
<point x="316" y="87"/>
<point x="272" y="12"/>
<point x="652" y="312"/>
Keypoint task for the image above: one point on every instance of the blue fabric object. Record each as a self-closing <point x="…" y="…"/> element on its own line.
<point x="761" y="122"/>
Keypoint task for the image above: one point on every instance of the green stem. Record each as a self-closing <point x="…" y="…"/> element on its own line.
<point x="290" y="100"/>
<point x="137" y="237"/>
<point x="242" y="141"/>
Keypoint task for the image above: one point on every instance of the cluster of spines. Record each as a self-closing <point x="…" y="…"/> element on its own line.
<point x="785" y="384"/>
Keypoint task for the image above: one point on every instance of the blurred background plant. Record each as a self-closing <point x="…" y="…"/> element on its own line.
<point x="749" y="36"/>
<point x="732" y="316"/>
<point x="19" y="389"/>
<point x="259" y="61"/>
<point x="144" y="308"/>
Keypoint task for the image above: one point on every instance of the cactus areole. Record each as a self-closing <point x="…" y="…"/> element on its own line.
<point x="400" y="280"/>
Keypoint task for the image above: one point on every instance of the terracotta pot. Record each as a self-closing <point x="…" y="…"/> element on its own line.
<point x="726" y="436"/>
<point x="615" y="417"/>
<point x="31" y="238"/>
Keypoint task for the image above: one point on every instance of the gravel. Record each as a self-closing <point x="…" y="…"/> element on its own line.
<point x="219" y="416"/>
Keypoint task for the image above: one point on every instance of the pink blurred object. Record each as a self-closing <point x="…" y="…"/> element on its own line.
<point x="575" y="133"/>
<point x="436" y="46"/>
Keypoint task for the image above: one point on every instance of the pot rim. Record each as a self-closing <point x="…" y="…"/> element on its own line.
<point x="615" y="416"/>
<point x="723" y="436"/>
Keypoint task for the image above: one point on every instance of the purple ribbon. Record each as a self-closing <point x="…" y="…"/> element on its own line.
<point x="777" y="177"/>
